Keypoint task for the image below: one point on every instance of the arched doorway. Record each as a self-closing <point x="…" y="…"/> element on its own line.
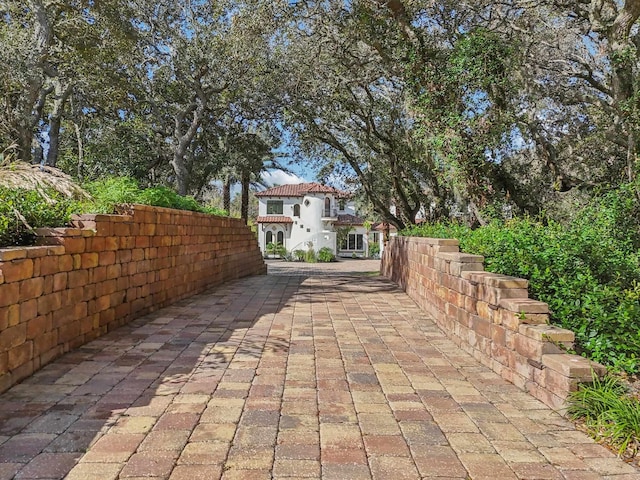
<point x="274" y="239"/>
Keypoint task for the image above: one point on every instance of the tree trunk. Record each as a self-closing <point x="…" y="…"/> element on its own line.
<point x="55" y="120"/>
<point x="244" y="206"/>
<point x="226" y="194"/>
<point x="181" y="171"/>
<point x="622" y="81"/>
<point x="36" y="153"/>
<point x="183" y="141"/>
<point x="76" y="128"/>
<point x="29" y="112"/>
<point x="24" y="144"/>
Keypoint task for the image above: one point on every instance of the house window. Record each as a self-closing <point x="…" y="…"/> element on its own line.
<point x="375" y="237"/>
<point x="274" y="207"/>
<point x="280" y="237"/>
<point x="327" y="207"/>
<point x="342" y="204"/>
<point x="296" y="210"/>
<point x="268" y="237"/>
<point x="353" y="241"/>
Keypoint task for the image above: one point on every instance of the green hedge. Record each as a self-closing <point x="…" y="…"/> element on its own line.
<point x="588" y="270"/>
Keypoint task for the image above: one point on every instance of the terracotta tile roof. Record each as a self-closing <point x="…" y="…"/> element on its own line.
<point x="348" y="219"/>
<point x="274" y="219"/>
<point x="300" y="190"/>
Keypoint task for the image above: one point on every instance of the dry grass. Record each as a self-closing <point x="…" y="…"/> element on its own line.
<point x="18" y="174"/>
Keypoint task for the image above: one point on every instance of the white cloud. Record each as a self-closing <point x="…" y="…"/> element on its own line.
<point x="278" y="177"/>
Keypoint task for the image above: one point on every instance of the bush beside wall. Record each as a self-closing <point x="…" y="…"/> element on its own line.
<point x="107" y="270"/>
<point x="490" y="316"/>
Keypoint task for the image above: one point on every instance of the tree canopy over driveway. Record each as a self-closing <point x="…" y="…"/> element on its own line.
<point x="432" y="109"/>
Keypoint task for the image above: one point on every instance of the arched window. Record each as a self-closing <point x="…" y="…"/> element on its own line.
<point x="327" y="207"/>
<point x="281" y="237"/>
<point x="269" y="238"/>
<point x="296" y="210"/>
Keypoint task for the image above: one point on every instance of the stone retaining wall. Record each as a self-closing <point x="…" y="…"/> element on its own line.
<point x="107" y="270"/>
<point x="489" y="316"/>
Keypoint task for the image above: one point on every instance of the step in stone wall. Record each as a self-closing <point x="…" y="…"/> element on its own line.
<point x="489" y="316"/>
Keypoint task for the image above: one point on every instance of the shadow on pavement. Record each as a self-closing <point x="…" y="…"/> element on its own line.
<point x="152" y="379"/>
<point x="125" y="379"/>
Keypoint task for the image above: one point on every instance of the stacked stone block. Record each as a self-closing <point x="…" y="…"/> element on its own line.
<point x="107" y="270"/>
<point x="489" y="316"/>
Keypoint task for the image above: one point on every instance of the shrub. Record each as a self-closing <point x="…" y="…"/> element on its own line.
<point x="166" y="197"/>
<point x="609" y="414"/>
<point x="23" y="210"/>
<point x="310" y="256"/>
<point x="211" y="210"/>
<point x="325" y="254"/>
<point x="275" y="249"/>
<point x="110" y="192"/>
<point x="118" y="190"/>
<point x="588" y="270"/>
<point x="288" y="256"/>
<point x="374" y="250"/>
<point x="299" y="255"/>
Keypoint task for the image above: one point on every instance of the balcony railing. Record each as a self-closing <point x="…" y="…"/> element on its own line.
<point x="329" y="213"/>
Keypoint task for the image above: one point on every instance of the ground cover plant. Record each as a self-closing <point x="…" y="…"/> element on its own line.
<point x="606" y="411"/>
<point x="587" y="270"/>
<point x="325" y="254"/>
<point x="276" y="249"/>
<point x="30" y="202"/>
<point x="34" y="196"/>
<point x="23" y="210"/>
<point x="108" y="193"/>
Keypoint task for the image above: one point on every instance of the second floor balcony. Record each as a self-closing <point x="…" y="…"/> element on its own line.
<point x="329" y="214"/>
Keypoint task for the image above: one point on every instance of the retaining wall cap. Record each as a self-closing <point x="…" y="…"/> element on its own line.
<point x="495" y="279"/>
<point x="523" y="305"/>
<point x="573" y="366"/>
<point x="84" y="216"/>
<point x="434" y="241"/>
<point x="58" y="232"/>
<point x="12" y="253"/>
<point x="546" y="333"/>
<point x="115" y="218"/>
<point x="460" y="257"/>
<point x="102" y="217"/>
<point x="37" y="251"/>
<point x="130" y="209"/>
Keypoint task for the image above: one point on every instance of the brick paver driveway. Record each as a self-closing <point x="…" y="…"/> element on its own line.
<point x="315" y="371"/>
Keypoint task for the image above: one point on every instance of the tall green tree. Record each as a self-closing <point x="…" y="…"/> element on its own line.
<point x="348" y="108"/>
<point x="51" y="50"/>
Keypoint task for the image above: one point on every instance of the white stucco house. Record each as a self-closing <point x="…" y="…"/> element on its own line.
<point x="308" y="215"/>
